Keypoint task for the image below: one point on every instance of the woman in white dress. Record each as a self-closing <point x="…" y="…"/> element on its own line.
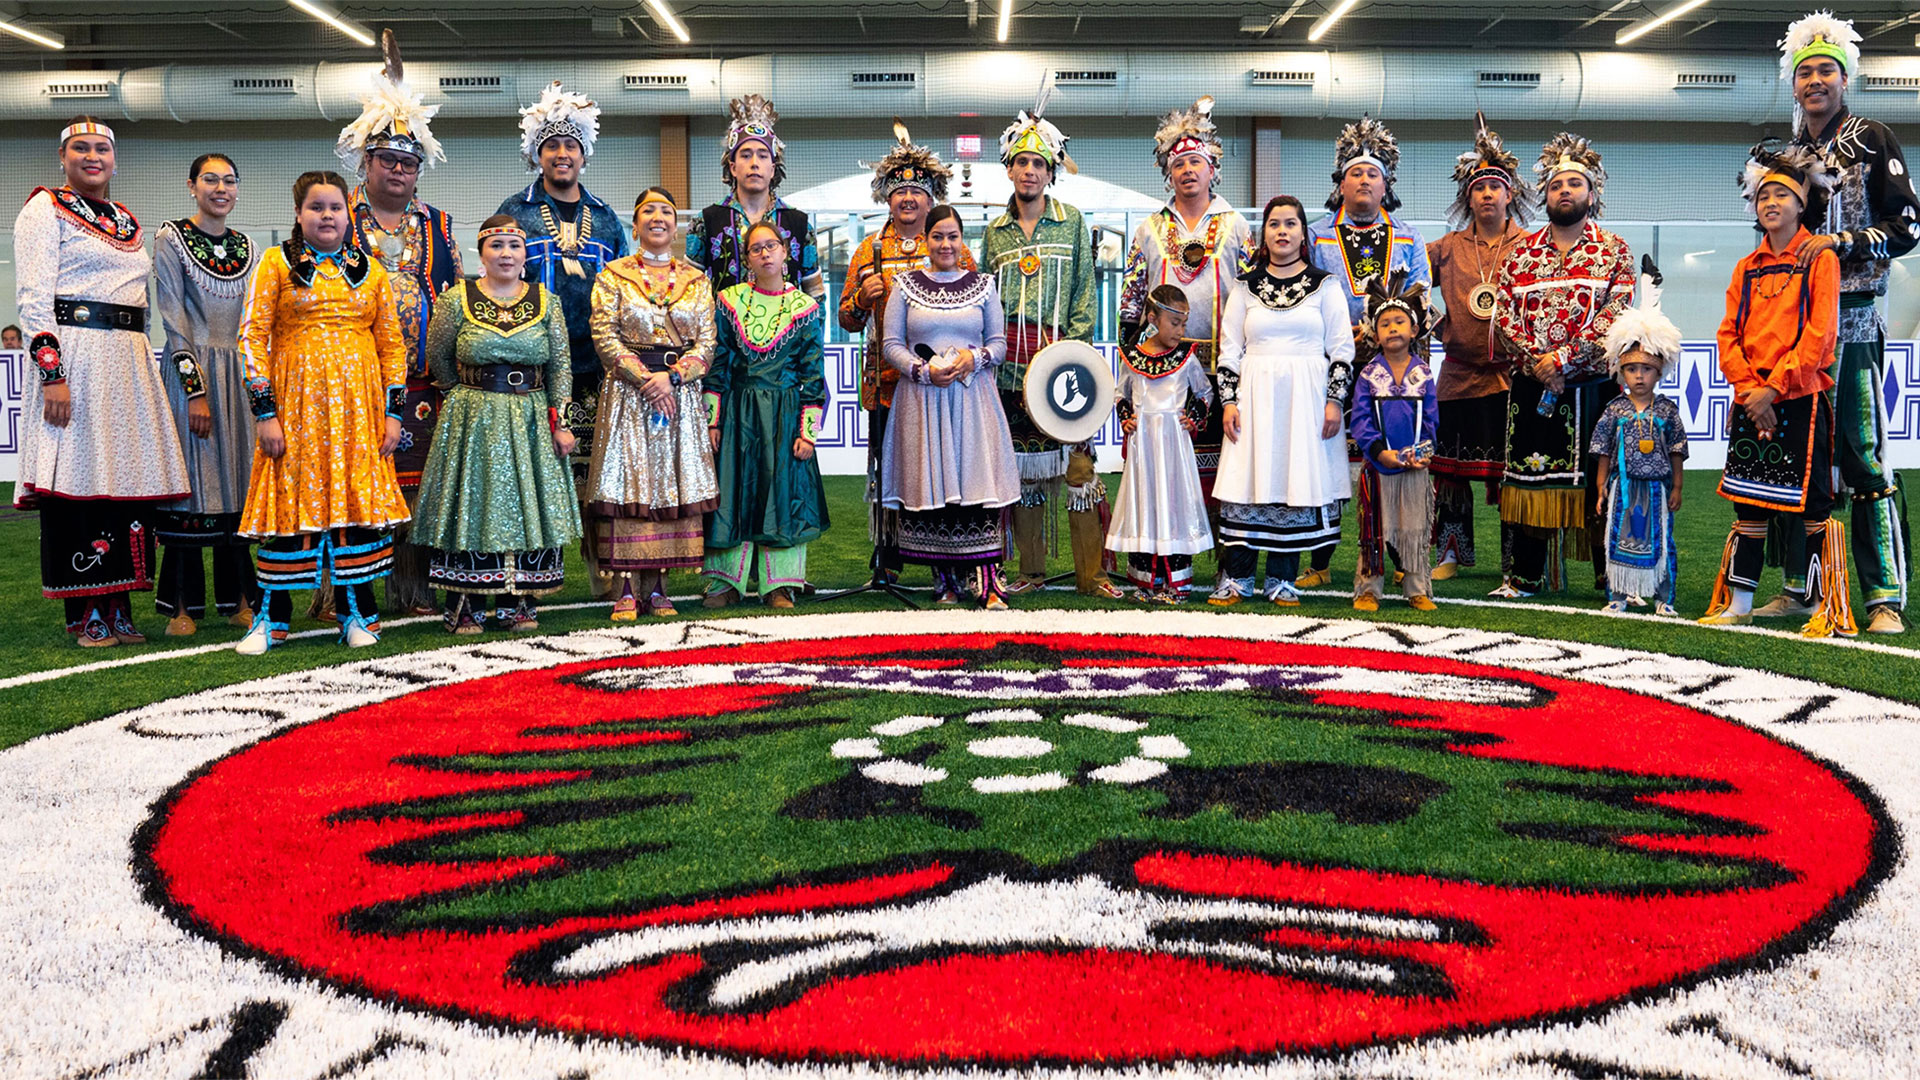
<point x="1286" y="359"/>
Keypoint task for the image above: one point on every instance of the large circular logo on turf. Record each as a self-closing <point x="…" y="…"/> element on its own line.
<point x="1013" y="849"/>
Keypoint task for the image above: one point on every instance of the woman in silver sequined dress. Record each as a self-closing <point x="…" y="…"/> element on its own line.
<point x="651" y="476"/>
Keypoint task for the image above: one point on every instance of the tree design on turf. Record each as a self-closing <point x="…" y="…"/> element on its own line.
<point x="1039" y="787"/>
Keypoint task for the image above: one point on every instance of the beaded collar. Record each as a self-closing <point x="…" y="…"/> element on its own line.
<point x="764" y="320"/>
<point x="1283" y="293"/>
<point x="503" y="319"/>
<point x="226" y="258"/>
<point x="923" y="290"/>
<point x="107" y="220"/>
<point x="1156" y="367"/>
<point x="354" y="264"/>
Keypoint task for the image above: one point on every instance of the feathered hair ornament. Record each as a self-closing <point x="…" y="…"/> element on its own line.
<point x="391" y="117"/>
<point x="1187" y="131"/>
<point x="558" y="112"/>
<point x="1820" y="34"/>
<point x="1567" y="152"/>
<point x="1488" y="160"/>
<point x="1394" y="293"/>
<point x="909" y="166"/>
<point x="1365" y="141"/>
<point x="1800" y="169"/>
<point x="1643" y="327"/>
<point x="1030" y="134"/>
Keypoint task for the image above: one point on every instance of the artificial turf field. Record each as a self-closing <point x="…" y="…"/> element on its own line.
<point x="33" y="642"/>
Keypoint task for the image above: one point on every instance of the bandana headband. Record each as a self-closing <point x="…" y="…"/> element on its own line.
<point x="1799" y="189"/>
<point x="653" y="197"/>
<point x="1820" y="46"/>
<point x="85" y="127"/>
<point x="501" y="230"/>
<point x="1363" y="159"/>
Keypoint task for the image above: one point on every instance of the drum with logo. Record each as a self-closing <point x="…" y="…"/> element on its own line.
<point x="1069" y="391"/>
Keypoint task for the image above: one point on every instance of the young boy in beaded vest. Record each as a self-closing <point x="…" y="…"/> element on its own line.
<point x="1640" y="441"/>
<point x="1396" y="406"/>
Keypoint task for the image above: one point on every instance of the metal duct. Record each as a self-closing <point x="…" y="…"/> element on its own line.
<point x="1398" y="84"/>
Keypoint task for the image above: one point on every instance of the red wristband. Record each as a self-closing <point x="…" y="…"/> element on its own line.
<point x="553" y="420"/>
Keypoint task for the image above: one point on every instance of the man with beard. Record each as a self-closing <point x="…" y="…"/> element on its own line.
<point x="1471" y="443"/>
<point x="1870" y="222"/>
<point x="1560" y="289"/>
<point x="753" y="164"/>
<point x="1197" y="241"/>
<point x="910" y="180"/>
<point x="1042" y="255"/>
<point x="1360" y="240"/>
<point x="571" y="234"/>
<point x="387" y="144"/>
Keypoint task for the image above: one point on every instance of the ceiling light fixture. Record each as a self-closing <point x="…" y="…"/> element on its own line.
<point x="1319" y="29"/>
<point x="1634" y="33"/>
<point x="665" y="14"/>
<point x="346" y="26"/>
<point x="1006" y="19"/>
<point x="43" y="38"/>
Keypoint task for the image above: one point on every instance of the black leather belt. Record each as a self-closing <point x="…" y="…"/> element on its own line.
<point x="100" y="315"/>
<point x="504" y="378"/>
<point x="657" y="358"/>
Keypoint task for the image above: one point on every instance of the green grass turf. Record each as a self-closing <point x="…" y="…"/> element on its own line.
<point x="34" y="641"/>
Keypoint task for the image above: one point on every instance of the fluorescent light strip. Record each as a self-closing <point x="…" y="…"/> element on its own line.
<point x="1634" y="33"/>
<point x="45" y="40"/>
<point x="1326" y="22"/>
<point x="1006" y="18"/>
<point x="665" y="14"/>
<point x="348" y="27"/>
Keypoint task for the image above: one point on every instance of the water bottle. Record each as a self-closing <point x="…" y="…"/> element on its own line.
<point x="1548" y="399"/>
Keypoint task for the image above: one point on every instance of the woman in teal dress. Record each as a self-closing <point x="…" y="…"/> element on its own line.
<point x="764" y="395"/>
<point x="496" y="499"/>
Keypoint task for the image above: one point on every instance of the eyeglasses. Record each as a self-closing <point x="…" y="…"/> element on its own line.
<point x="405" y="166"/>
<point x="765" y="246"/>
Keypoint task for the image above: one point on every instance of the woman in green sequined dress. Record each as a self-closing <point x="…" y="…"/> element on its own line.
<point x="497" y="503"/>
<point x="765" y="395"/>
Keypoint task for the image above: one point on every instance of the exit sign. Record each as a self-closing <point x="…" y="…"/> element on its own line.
<point x="966" y="146"/>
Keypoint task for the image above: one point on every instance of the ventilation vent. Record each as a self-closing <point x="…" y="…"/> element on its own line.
<point x="1890" y="82"/>
<point x="1704" y="80"/>
<point x="1086" y="78"/>
<point x="274" y="85"/>
<point x="1283" y="78"/>
<point x="656" y="82"/>
<point x="1519" y="80"/>
<point x="470" y="84"/>
<point x="80" y="89"/>
<point x="885" y="80"/>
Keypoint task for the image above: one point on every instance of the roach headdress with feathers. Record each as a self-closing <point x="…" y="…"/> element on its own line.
<point x="1800" y="169"/>
<point x="909" y="166"/>
<point x="391" y="117"/>
<point x="1567" y="152"/>
<point x="1366" y="141"/>
<point x="1394" y="293"/>
<point x="1489" y="159"/>
<point x="1187" y="131"/>
<point x="1643" y="327"/>
<point x="558" y="112"/>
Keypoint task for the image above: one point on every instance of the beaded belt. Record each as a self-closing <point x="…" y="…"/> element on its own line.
<point x="99" y="315"/>
<point x="504" y="378"/>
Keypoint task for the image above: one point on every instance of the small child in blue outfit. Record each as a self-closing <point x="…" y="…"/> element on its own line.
<point x="1396" y="406"/>
<point x="1641" y="442"/>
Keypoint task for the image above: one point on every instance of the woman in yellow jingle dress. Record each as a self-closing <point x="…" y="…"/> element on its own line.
<point x="326" y="376"/>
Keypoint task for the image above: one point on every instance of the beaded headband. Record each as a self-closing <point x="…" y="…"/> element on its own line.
<point x="655" y="196"/>
<point x="1566" y="165"/>
<point x="1365" y="159"/>
<point x="85" y="127"/>
<point x="502" y="230"/>
<point x="1798" y="188"/>
<point x="1193" y="145"/>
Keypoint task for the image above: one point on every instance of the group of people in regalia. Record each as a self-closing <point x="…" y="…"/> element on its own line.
<point x="350" y="405"/>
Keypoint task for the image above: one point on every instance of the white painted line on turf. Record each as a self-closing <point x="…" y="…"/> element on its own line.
<point x="1558" y="609"/>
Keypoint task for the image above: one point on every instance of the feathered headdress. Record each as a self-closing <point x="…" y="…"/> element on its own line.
<point x="1029" y="134"/>
<point x="1820" y="34"/>
<point x="1366" y="141"/>
<point x="1567" y="152"/>
<point x="751" y="119"/>
<point x="1801" y="169"/>
<point x="1187" y="131"/>
<point x="1488" y="160"/>
<point x="558" y="112"/>
<point x="1384" y="294"/>
<point x="909" y="166"/>
<point x="391" y="117"/>
<point x="1643" y="326"/>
